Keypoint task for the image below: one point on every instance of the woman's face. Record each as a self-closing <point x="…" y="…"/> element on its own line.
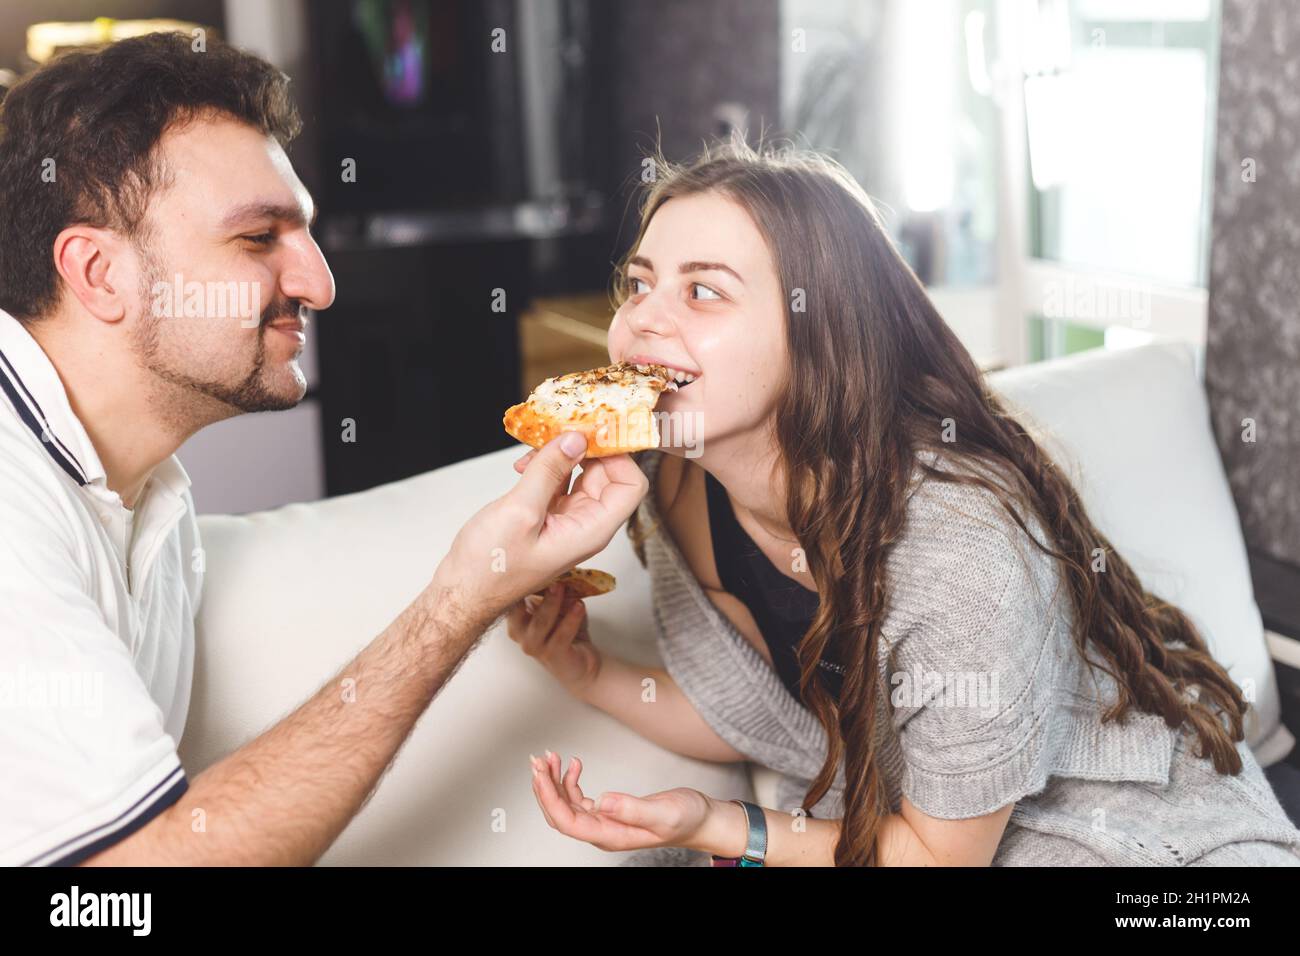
<point x="703" y="298"/>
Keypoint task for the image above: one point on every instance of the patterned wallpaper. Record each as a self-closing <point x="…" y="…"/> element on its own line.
<point x="1253" y="349"/>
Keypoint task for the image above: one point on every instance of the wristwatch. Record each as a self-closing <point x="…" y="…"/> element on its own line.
<point x="755" y="843"/>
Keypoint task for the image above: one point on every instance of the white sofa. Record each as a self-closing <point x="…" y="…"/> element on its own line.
<point x="292" y="594"/>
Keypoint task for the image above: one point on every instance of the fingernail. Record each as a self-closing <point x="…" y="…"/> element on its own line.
<point x="573" y="444"/>
<point x="549" y="755"/>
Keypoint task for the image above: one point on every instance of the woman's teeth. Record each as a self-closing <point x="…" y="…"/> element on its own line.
<point x="683" y="378"/>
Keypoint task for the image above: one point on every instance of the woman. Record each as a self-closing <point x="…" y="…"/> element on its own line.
<point x="874" y="581"/>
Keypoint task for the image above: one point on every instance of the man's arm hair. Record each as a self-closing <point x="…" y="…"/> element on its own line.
<point x="284" y="797"/>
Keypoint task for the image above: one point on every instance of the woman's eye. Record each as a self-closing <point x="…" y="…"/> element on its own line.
<point x="709" y="294"/>
<point x="632" y="285"/>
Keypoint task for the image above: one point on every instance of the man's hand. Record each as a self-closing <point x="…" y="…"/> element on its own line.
<point x="535" y="532"/>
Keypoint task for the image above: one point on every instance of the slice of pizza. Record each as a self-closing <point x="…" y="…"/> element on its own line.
<point x="587" y="582"/>
<point x="613" y="406"/>
<point x="583" y="583"/>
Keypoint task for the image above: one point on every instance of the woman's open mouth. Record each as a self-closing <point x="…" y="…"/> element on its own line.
<point x="681" y="376"/>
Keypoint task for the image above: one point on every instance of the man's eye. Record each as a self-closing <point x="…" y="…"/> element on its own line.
<point x="631" y="285"/>
<point x="710" y="294"/>
<point x="264" y="239"/>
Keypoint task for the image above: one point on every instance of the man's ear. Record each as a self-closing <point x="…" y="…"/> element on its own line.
<point x="97" y="265"/>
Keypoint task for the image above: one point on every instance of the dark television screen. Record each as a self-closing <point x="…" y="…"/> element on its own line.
<point x="413" y="92"/>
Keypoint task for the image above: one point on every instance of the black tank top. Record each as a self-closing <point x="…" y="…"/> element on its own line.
<point x="782" y="608"/>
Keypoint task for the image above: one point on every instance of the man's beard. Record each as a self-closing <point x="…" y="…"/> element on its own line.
<point x="249" y="395"/>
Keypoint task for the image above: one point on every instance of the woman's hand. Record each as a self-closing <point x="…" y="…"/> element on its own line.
<point x="554" y="632"/>
<point x="620" y="821"/>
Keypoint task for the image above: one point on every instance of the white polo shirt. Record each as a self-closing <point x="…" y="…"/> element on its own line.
<point x="97" y="606"/>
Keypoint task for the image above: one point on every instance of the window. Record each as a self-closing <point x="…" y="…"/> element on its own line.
<point x="1119" y="128"/>
<point x="1046" y="166"/>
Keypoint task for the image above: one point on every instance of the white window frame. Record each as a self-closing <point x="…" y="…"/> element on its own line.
<point x="1176" y="312"/>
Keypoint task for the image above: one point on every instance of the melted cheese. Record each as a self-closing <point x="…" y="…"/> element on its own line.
<point x="570" y="399"/>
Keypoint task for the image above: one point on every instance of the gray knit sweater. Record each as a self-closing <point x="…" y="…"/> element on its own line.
<point x="983" y="701"/>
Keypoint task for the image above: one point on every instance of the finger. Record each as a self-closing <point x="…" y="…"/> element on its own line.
<point x="633" y="811"/>
<point x="557" y="809"/>
<point x="593" y="477"/>
<point x="548" y="473"/>
<point x="618" y="484"/>
<point x="553" y="764"/>
<point x="522" y="463"/>
<point x="620" y="469"/>
<point x="524" y="626"/>
<point x="531" y="642"/>
<point x="567" y="627"/>
<point x="544" y="619"/>
<point x="571" y="782"/>
<point x="538" y="774"/>
<point x="585" y="523"/>
<point x="517" y="622"/>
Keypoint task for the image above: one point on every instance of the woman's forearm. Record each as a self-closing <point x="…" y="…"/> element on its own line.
<point x="649" y="701"/>
<point x="799" y="841"/>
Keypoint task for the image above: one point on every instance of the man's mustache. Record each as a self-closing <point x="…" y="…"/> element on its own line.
<point x="282" y="309"/>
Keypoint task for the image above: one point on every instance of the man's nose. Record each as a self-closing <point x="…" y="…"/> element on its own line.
<point x="307" y="278"/>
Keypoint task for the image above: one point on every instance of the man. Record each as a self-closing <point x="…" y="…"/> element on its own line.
<point x="120" y="171"/>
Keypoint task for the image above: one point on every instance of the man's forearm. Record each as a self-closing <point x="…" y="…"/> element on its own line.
<point x="287" y="795"/>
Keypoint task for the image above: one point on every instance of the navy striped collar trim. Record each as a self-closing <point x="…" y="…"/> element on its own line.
<point x="29" y="410"/>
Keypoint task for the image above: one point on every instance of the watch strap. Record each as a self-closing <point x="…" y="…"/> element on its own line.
<point x="755" y="839"/>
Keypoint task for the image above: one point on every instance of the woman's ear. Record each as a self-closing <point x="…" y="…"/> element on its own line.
<point x="98" y="270"/>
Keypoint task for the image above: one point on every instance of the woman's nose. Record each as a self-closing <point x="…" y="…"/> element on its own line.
<point x="651" y="316"/>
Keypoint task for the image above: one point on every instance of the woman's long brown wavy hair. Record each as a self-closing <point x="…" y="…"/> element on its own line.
<point x="874" y="370"/>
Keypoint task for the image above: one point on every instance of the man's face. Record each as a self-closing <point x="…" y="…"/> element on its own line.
<point x="227" y="265"/>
